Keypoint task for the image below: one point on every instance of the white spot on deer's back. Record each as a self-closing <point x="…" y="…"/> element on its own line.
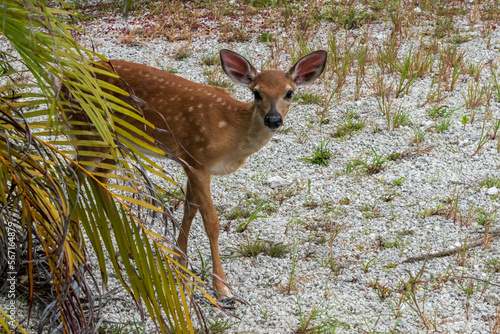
<point x="190" y="109"/>
<point x="200" y="106"/>
<point x="222" y="124"/>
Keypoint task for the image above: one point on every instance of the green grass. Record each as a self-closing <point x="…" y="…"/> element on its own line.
<point x="321" y="155"/>
<point x="490" y="182"/>
<point x="401" y="118"/>
<point x="252" y="248"/>
<point x="307" y="98"/>
<point x="210" y="59"/>
<point x="443" y="124"/>
<point x="351" y="125"/>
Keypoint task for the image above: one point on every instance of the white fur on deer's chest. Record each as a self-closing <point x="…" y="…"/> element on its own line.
<point x="227" y="166"/>
<point x="237" y="158"/>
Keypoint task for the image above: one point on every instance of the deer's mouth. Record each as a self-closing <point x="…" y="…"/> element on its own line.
<point x="273" y="120"/>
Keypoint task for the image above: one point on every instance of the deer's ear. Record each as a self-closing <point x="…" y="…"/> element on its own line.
<point x="237" y="67"/>
<point x="308" y="68"/>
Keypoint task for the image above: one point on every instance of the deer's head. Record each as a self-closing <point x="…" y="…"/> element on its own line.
<point x="273" y="89"/>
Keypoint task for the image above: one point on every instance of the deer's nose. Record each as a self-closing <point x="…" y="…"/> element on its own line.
<point x="273" y="120"/>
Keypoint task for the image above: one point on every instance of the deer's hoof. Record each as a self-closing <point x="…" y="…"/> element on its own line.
<point x="227" y="303"/>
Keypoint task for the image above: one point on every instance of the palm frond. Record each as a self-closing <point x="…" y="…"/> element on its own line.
<point x="49" y="208"/>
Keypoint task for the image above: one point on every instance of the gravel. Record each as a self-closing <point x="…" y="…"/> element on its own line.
<point x="348" y="233"/>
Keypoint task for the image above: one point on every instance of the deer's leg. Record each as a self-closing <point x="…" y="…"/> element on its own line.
<point x="200" y="182"/>
<point x="190" y="210"/>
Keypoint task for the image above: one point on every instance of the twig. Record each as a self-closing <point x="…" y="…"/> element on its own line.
<point x="492" y="235"/>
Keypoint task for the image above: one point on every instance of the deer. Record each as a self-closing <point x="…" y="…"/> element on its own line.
<point x="207" y="130"/>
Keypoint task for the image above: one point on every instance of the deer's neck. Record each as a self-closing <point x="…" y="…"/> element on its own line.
<point x="249" y="137"/>
<point x="257" y="134"/>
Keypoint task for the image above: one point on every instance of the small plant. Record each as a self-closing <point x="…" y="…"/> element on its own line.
<point x="464" y="120"/>
<point x="219" y="326"/>
<point x="494" y="265"/>
<point x="258" y="246"/>
<point x="490" y="182"/>
<point x="318" y="321"/>
<point x="474" y="70"/>
<point x="459" y="39"/>
<point x="475" y="96"/>
<point x="399" y="182"/>
<point x="400" y="118"/>
<point x="443" y="124"/>
<point x="307" y="98"/>
<point x="405" y="69"/>
<point x="366" y="266"/>
<point x="265" y="37"/>
<point x="243" y="225"/>
<point x="351" y="125"/>
<point x="210" y="59"/>
<point x="205" y="266"/>
<point x="442" y="27"/>
<point x="182" y="53"/>
<point x="214" y="79"/>
<point x="418" y="136"/>
<point x="496" y="85"/>
<point x="382" y="290"/>
<point x="439" y="111"/>
<point x="321" y="155"/>
<point x="379" y="162"/>
<point x="173" y="70"/>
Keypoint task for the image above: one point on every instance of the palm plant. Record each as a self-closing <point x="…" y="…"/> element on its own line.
<point x="49" y="214"/>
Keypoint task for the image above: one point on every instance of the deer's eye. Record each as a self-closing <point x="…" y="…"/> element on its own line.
<point x="288" y="95"/>
<point x="257" y="96"/>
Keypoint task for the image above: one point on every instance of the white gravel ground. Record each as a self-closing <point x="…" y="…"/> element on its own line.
<point x="379" y="224"/>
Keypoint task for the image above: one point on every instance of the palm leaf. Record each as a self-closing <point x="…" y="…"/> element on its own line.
<point x="51" y="207"/>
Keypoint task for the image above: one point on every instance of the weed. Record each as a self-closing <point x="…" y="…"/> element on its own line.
<point x="379" y="163"/>
<point x="418" y="136"/>
<point x="496" y="85"/>
<point x="382" y="290"/>
<point x="474" y="70"/>
<point x="218" y="326"/>
<point x="401" y="118"/>
<point x="399" y="182"/>
<point x="459" y="39"/>
<point x="391" y="265"/>
<point x="439" y="111"/>
<point x="182" y="53"/>
<point x="366" y="266"/>
<point x="252" y="248"/>
<point x="265" y="37"/>
<point x="307" y="98"/>
<point x="405" y="69"/>
<point x="214" y="79"/>
<point x="205" y="266"/>
<point x="494" y="265"/>
<point x="318" y="321"/>
<point x="352" y="124"/>
<point x="490" y="182"/>
<point x="475" y="95"/>
<point x="443" y="124"/>
<point x="293" y="279"/>
<point x="173" y="70"/>
<point x="442" y="27"/>
<point x="243" y="225"/>
<point x="321" y="155"/>
<point x="210" y="59"/>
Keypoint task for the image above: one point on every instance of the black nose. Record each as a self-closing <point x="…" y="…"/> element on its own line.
<point x="273" y="122"/>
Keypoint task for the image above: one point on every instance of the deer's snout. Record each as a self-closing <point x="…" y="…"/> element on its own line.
<point x="273" y="120"/>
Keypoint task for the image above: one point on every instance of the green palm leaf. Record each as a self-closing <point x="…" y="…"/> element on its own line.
<point x="49" y="208"/>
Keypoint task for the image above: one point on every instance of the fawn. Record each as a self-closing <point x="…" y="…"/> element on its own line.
<point x="210" y="132"/>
